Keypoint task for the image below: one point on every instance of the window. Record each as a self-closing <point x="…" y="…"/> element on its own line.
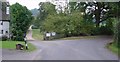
<point x="7" y="10"/>
<point x="6" y="32"/>
<point x="1" y="31"/>
<point x="1" y="23"/>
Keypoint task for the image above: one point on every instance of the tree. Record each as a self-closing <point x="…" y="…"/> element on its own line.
<point x="69" y="24"/>
<point x="115" y="12"/>
<point x="55" y="23"/>
<point x="87" y="22"/>
<point x="84" y="18"/>
<point x="117" y="34"/>
<point x="45" y="8"/>
<point x="97" y="10"/>
<point x="21" y="19"/>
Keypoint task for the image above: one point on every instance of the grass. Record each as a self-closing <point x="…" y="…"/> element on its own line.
<point x="36" y="34"/>
<point x="12" y="45"/>
<point x="78" y="37"/>
<point x="114" y="48"/>
<point x="0" y="44"/>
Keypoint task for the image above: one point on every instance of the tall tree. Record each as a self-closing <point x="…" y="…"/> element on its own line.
<point x="21" y="19"/>
<point x="45" y="8"/>
<point x="98" y="10"/>
<point x="115" y="7"/>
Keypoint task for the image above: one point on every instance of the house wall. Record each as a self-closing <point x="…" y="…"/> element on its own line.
<point x="4" y="25"/>
<point x="4" y="21"/>
<point x="0" y="17"/>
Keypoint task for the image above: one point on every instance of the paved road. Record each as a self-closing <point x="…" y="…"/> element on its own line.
<point x="83" y="49"/>
<point x="10" y="54"/>
<point x="0" y="54"/>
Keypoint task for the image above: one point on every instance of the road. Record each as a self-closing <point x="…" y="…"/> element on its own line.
<point x="83" y="49"/>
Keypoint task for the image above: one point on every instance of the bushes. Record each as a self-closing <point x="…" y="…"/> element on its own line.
<point x="4" y="37"/>
<point x="117" y="34"/>
<point x="68" y="24"/>
<point x="105" y="30"/>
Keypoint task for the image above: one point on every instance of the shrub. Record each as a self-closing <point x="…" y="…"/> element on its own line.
<point x="105" y="30"/>
<point x="4" y="37"/>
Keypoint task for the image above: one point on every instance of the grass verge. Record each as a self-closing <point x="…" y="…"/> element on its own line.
<point x="36" y="34"/>
<point x="12" y="45"/>
<point x="114" y="48"/>
<point x="0" y="44"/>
<point x="77" y="38"/>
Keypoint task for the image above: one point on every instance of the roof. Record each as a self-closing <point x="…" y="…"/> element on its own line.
<point x="3" y="0"/>
<point x="3" y="15"/>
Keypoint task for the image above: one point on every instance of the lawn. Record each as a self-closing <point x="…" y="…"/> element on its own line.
<point x="36" y="34"/>
<point x="12" y="45"/>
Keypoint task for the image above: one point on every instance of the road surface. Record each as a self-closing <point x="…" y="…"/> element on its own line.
<point x="83" y="49"/>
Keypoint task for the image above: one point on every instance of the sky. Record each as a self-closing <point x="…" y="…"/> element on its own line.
<point x="30" y="4"/>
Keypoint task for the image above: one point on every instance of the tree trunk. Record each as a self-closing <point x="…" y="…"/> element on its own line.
<point x="97" y="14"/>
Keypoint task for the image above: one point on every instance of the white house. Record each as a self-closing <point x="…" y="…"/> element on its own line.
<point x="4" y="19"/>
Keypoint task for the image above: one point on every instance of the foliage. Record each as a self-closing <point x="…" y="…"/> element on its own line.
<point x="117" y="33"/>
<point x="114" y="9"/>
<point x="106" y="27"/>
<point x="98" y="19"/>
<point x="70" y="25"/>
<point x="36" y="23"/>
<point x="98" y="10"/>
<point x="119" y="25"/>
<point x="4" y="37"/>
<point x="45" y="9"/>
<point x="21" y="19"/>
<point x="113" y="47"/>
<point x="81" y="25"/>
<point x="54" y="23"/>
<point x="115" y="12"/>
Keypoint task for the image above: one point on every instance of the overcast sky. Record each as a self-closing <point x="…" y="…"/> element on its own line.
<point x="30" y="4"/>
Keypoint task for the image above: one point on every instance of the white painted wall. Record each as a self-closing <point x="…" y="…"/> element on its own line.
<point x="4" y="27"/>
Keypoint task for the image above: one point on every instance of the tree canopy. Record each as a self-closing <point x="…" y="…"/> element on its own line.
<point x="21" y="19"/>
<point x="92" y="18"/>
